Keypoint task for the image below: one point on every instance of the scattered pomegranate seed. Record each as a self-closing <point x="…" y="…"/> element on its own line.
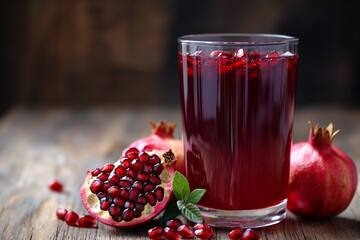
<point x="156" y="233"/>
<point x="149" y="187"/>
<point x="205" y="227"/>
<point x="236" y="233"/>
<point x="174" y="223"/>
<point x="185" y="232"/>
<point x="155" y="179"/>
<point x="71" y="218"/>
<point x="87" y="221"/>
<point x="170" y="234"/>
<point x="55" y="185"/>
<point x="250" y="234"/>
<point x="201" y="233"/>
<point x="61" y="213"/>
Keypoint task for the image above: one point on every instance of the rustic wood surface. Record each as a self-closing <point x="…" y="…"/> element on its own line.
<point x="37" y="144"/>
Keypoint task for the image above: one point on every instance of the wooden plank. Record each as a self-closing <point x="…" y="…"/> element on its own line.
<point x="37" y="144"/>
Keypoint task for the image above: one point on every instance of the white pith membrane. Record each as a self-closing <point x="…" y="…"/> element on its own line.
<point x="93" y="202"/>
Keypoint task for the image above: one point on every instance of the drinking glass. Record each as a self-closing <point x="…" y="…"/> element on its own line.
<point x="237" y="101"/>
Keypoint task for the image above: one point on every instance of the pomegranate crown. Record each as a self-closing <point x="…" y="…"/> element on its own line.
<point x="162" y="129"/>
<point x="319" y="135"/>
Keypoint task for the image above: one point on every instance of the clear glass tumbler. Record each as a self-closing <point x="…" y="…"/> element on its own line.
<point x="237" y="101"/>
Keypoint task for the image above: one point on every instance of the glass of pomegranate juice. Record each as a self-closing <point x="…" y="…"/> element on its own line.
<point x="237" y="101"/>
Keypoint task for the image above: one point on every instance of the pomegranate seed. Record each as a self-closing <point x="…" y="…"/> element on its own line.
<point x="206" y="227"/>
<point x="128" y="179"/>
<point x="117" y="218"/>
<point x="158" y="168"/>
<point x="103" y="177"/>
<point x="126" y="163"/>
<point x="174" y="223"/>
<point x="142" y="176"/>
<point x="132" y="156"/>
<point x="154" y="159"/>
<point x="185" y="232"/>
<point x="101" y="195"/>
<point x="133" y="194"/>
<point x="148" y="187"/>
<point x="114" y="191"/>
<point x="131" y="151"/>
<point x="250" y="234"/>
<point x="148" y="168"/>
<point x="138" y="185"/>
<point x="55" y="185"/>
<point x="61" y="213"/>
<point x="124" y="183"/>
<point x="136" y="212"/>
<point x="143" y="157"/>
<point x="107" y="168"/>
<point x="128" y="215"/>
<point x="156" y="233"/>
<point x="120" y="171"/>
<point x="201" y="233"/>
<point x="139" y="206"/>
<point x="136" y="165"/>
<point x="236" y="233"/>
<point x="155" y="179"/>
<point x="96" y="186"/>
<point x="95" y="172"/>
<point x="170" y="234"/>
<point x="151" y="199"/>
<point x="142" y="199"/>
<point x="119" y="202"/>
<point x="210" y="230"/>
<point x="114" y="210"/>
<point x="87" y="221"/>
<point x="106" y="186"/>
<point x="124" y="193"/>
<point x="159" y="193"/>
<point x="113" y="179"/>
<point x="71" y="218"/>
<point x="131" y="173"/>
<point x="104" y="204"/>
<point x="129" y="205"/>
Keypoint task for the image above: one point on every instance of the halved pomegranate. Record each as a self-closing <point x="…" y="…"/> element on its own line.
<point x="131" y="191"/>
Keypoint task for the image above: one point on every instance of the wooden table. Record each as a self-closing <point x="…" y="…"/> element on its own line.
<point x="37" y="144"/>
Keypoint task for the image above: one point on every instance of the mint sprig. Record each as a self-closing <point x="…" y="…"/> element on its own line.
<point x="186" y="200"/>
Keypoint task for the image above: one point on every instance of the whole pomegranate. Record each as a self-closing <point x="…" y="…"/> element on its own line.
<point x="323" y="179"/>
<point x="131" y="191"/>
<point x="162" y="138"/>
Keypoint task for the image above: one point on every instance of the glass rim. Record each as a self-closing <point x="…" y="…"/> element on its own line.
<point x="196" y="39"/>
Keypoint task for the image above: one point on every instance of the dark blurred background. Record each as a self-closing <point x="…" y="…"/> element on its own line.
<point x="81" y="53"/>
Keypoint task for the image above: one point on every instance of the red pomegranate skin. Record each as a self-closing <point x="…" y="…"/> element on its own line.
<point x="323" y="179"/>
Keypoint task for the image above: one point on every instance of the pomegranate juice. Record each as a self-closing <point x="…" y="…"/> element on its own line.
<point x="237" y="110"/>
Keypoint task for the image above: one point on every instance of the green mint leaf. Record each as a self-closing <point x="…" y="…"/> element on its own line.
<point x="171" y="212"/>
<point x="180" y="204"/>
<point x="195" y="196"/>
<point x="192" y="212"/>
<point x="180" y="186"/>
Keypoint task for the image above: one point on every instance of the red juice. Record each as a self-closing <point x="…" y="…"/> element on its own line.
<point x="237" y="111"/>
